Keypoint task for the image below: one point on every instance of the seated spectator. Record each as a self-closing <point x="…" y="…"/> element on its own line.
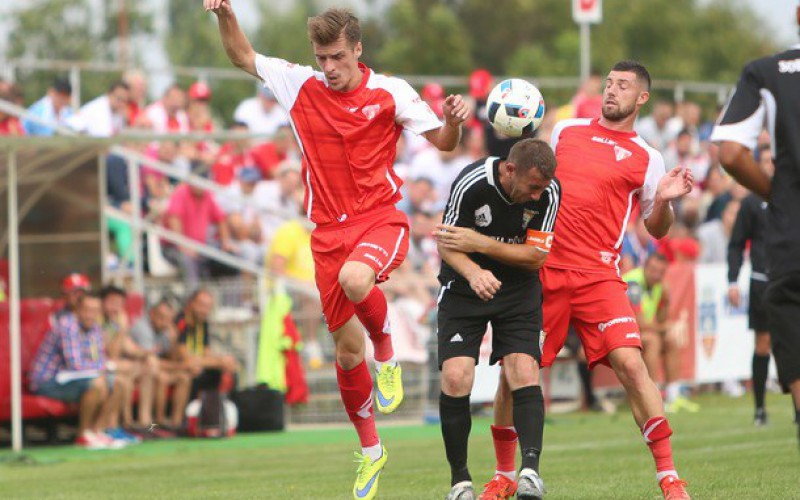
<point x="198" y="112"/>
<point x="232" y="156"/>
<point x="53" y="108"/>
<point x="653" y="128"/>
<point x="267" y="156"/>
<point x="419" y="195"/>
<point x="681" y="153"/>
<point x="9" y="124"/>
<point x="194" y="350"/>
<point x="155" y="333"/>
<point x="261" y="114"/>
<point x="241" y="204"/>
<point x="106" y="115"/>
<point x="193" y="213"/>
<point x="137" y="83"/>
<point x="71" y="366"/>
<point x="136" y="368"/>
<point x="168" y="115"/>
<point x="290" y="256"/>
<point x="73" y="287"/>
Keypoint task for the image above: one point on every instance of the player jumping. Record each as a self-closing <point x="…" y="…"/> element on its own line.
<point x="347" y="120"/>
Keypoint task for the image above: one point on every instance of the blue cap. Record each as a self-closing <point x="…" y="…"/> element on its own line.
<point x="249" y="174"/>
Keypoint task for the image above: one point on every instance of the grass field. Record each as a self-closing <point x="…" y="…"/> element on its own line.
<point x="717" y="450"/>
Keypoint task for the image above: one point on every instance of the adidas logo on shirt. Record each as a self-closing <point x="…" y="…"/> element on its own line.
<point x="457" y="338"/>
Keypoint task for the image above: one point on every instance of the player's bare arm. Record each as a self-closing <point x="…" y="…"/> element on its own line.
<point x="482" y="281"/>
<point x="676" y="183"/>
<point x="236" y="44"/>
<point x="467" y="240"/>
<point x="456" y="111"/>
<point x="741" y="164"/>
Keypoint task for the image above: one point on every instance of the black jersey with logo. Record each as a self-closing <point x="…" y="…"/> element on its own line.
<point x="477" y="201"/>
<point x="768" y="95"/>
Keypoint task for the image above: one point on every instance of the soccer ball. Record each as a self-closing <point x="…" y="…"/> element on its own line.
<point x="515" y="107"/>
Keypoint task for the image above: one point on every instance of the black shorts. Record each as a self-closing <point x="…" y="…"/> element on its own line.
<point x="515" y="314"/>
<point x="757" y="309"/>
<point x="783" y="312"/>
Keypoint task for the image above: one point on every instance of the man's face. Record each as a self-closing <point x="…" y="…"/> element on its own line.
<point x="526" y="186"/>
<point x="622" y="96"/>
<point x="118" y="99"/>
<point x="174" y="101"/>
<point x="60" y="101"/>
<point x="89" y="312"/>
<point x="339" y="62"/>
<point x="73" y="296"/>
<point x="289" y="182"/>
<point x="113" y="305"/>
<point x="202" y="306"/>
<point x="161" y="317"/>
<point x="684" y="144"/>
<point x="654" y="270"/>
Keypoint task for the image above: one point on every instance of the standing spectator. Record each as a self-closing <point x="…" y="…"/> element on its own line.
<point x="261" y="113"/>
<point x="71" y="366"/>
<point x="137" y="82"/>
<point x="168" y="115"/>
<point x="198" y="113"/>
<point x="661" y="346"/>
<point x="106" y="115"/>
<point x="194" y="344"/>
<point x="53" y="108"/>
<point x="715" y="234"/>
<point x="770" y="88"/>
<point x="193" y="212"/>
<point x="717" y="193"/>
<point x="653" y="128"/>
<point x="155" y="333"/>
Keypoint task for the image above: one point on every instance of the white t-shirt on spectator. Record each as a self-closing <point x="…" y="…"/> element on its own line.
<point x="258" y="120"/>
<point x="95" y="118"/>
<point x="157" y="115"/>
<point x="429" y="164"/>
<point x="264" y="202"/>
<point x="713" y="242"/>
<point x="657" y="138"/>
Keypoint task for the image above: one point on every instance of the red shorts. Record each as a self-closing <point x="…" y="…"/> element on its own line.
<point x="378" y="239"/>
<point x="595" y="304"/>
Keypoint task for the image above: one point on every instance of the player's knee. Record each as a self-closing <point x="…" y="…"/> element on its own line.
<point x="631" y="371"/>
<point x="521" y="371"/>
<point x="456" y="381"/>
<point x="348" y="359"/>
<point x="763" y="345"/>
<point x="356" y="281"/>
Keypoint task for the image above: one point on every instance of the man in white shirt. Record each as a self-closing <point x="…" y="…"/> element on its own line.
<point x="54" y="107"/>
<point x="103" y="116"/>
<point x="168" y="115"/>
<point x="261" y="113"/>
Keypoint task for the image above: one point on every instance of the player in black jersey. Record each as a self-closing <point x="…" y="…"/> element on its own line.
<point x="495" y="236"/>
<point x="750" y="225"/>
<point x="769" y="91"/>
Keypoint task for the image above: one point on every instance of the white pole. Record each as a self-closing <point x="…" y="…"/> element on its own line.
<point x="102" y="196"/>
<point x="14" y="305"/>
<point x="586" y="48"/>
<point x="134" y="190"/>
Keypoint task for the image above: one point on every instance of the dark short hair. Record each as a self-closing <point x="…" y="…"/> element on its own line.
<point x="110" y="290"/>
<point x="530" y="153"/>
<point x="118" y="84"/>
<point x="88" y="295"/>
<point x="634" y="67"/>
<point x="62" y="86"/>
<point x="327" y="27"/>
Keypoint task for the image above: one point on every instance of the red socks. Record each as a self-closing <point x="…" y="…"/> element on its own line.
<point x="356" y="388"/>
<point x="656" y="433"/>
<point x="505" y="448"/>
<point x="372" y="312"/>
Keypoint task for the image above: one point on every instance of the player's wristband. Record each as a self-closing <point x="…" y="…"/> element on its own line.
<point x="541" y="240"/>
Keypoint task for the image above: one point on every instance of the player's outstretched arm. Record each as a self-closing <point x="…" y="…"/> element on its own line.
<point x="236" y="44"/>
<point x="676" y="183"/>
<point x="456" y="111"/>
<point x="738" y="161"/>
<point x="466" y="240"/>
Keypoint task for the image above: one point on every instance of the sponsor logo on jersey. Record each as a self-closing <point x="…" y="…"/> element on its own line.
<point x="792" y="66"/>
<point x="374" y="259"/>
<point x="604" y="140"/>
<point x="483" y="216"/>
<point x="616" y="321"/>
<point x="374" y="247"/>
<point x="632" y="336"/>
<point x="527" y="215"/>
<point x="621" y="153"/>
<point x="606" y="257"/>
<point x="371" y="111"/>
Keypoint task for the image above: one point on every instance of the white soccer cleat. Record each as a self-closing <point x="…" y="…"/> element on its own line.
<point x="529" y="485"/>
<point x="461" y="491"/>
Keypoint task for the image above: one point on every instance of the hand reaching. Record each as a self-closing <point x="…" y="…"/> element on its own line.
<point x="460" y="239"/>
<point x="217" y="6"/>
<point x="455" y="110"/>
<point x="676" y="183"/>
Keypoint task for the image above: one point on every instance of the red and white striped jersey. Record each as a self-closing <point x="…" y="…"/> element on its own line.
<point x="348" y="139"/>
<point x="604" y="174"/>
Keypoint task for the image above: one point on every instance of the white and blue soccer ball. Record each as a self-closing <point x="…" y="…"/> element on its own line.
<point x="515" y="107"/>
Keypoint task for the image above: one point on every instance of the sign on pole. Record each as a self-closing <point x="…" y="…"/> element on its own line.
<point x="587" y="11"/>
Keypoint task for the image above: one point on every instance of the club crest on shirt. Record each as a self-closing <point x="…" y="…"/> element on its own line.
<point x="371" y="111"/>
<point x="483" y="216"/>
<point x="621" y="153"/>
<point x="527" y="215"/>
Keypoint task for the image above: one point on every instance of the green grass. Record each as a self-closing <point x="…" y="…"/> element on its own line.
<point x="717" y="450"/>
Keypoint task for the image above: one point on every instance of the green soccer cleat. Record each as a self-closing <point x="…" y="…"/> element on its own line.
<point x="390" y="388"/>
<point x="367" y="475"/>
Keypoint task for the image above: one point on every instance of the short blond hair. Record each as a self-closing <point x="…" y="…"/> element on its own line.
<point x="327" y="27"/>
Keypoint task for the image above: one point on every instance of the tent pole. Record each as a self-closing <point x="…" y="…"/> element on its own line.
<point x="14" y="305"/>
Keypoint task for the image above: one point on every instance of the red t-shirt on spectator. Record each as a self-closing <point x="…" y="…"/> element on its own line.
<point x="196" y="214"/>
<point x="267" y="158"/>
<point x="11" y="126"/>
<point x="228" y="164"/>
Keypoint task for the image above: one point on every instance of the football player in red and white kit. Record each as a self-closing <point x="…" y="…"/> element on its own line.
<point x="605" y="169"/>
<point x="347" y="120"/>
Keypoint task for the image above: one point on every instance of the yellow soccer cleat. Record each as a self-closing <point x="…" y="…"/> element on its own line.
<point x="367" y="475"/>
<point x="390" y="388"/>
